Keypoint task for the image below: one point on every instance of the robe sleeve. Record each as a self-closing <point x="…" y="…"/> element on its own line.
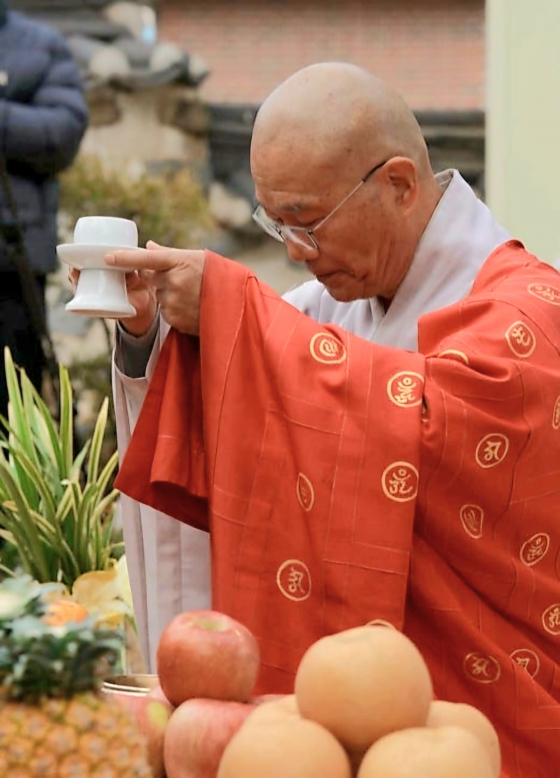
<point x="168" y="561"/>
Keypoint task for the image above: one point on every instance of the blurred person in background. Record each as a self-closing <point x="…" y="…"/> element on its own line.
<point x="43" y="117"/>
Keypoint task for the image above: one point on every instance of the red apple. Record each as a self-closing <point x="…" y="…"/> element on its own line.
<point x="207" y="654"/>
<point x="197" y="735"/>
<point x="153" y="720"/>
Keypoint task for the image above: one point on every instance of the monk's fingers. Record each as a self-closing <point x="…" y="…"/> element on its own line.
<point x="180" y="311"/>
<point x="140" y="278"/>
<point x="133" y="259"/>
<point x="73" y="276"/>
<point x="182" y="279"/>
<point x="159" y="259"/>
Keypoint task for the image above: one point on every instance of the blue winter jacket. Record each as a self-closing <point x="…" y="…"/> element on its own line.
<point x="43" y="116"/>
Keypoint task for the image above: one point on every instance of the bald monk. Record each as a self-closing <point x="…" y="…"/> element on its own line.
<point x="327" y="144"/>
<point x="342" y="481"/>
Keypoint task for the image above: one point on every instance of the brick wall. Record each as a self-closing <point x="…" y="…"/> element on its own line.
<point x="431" y="50"/>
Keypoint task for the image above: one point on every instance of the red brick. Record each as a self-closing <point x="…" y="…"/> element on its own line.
<point x="432" y="51"/>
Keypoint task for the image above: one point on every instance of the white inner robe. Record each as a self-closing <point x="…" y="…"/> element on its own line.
<point x="169" y="562"/>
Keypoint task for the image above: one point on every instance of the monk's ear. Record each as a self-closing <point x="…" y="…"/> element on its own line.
<point x="402" y="177"/>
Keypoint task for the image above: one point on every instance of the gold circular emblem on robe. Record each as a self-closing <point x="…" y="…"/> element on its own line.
<point x="526" y="659"/>
<point x="551" y="619"/>
<point x="472" y="519"/>
<point x="534" y="549"/>
<point x="305" y="492"/>
<point x="452" y="353"/>
<point x="400" y="481"/>
<point x="294" y="580"/>
<point x="325" y="348"/>
<point x="545" y="292"/>
<point x="492" y="450"/>
<point x="405" y="389"/>
<point x="481" y="668"/>
<point x="521" y="339"/>
<point x="556" y="414"/>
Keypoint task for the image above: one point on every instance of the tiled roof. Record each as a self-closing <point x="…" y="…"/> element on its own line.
<point x="111" y="52"/>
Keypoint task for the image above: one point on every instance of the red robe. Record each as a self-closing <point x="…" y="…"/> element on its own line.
<point x="344" y="482"/>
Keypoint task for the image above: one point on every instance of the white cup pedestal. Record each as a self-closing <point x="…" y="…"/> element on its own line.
<point x="101" y="293"/>
<point x="101" y="290"/>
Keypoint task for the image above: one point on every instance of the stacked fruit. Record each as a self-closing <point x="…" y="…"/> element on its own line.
<point x="54" y="723"/>
<point x="363" y="706"/>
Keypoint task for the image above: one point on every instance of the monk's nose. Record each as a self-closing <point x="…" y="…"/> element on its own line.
<point x="299" y="253"/>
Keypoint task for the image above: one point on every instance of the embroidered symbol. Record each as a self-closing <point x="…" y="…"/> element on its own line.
<point x="294" y="580"/>
<point x="492" y="450"/>
<point x="380" y="623"/>
<point x="556" y="414"/>
<point x="400" y="481"/>
<point x="534" y="549"/>
<point x="454" y="354"/>
<point x="481" y="668"/>
<point x="551" y="619"/>
<point x="526" y="659"/>
<point x="472" y="518"/>
<point x="521" y="339"/>
<point x="327" y="349"/>
<point x="305" y="492"/>
<point x="550" y="294"/>
<point x="405" y="389"/>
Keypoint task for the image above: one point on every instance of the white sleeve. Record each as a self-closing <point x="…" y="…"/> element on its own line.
<point x="306" y="297"/>
<point x="168" y="562"/>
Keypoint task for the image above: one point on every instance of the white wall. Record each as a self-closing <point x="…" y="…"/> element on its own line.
<point x="523" y="120"/>
<point x="140" y="135"/>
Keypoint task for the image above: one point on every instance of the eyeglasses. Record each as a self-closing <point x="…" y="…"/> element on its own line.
<point x="301" y="235"/>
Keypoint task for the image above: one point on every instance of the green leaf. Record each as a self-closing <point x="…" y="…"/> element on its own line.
<point x="57" y="517"/>
<point x="42" y="488"/>
<point x="97" y="441"/>
<point x="66" y="421"/>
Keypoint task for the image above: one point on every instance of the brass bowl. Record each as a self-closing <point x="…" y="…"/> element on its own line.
<point x="135" y="683"/>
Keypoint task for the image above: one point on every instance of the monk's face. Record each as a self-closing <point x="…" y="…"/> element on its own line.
<point x="364" y="249"/>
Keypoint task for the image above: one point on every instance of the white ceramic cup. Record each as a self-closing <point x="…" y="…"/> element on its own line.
<point x="101" y="290"/>
<point x="106" y="231"/>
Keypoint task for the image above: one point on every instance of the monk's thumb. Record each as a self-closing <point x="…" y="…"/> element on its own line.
<point x="151" y="244"/>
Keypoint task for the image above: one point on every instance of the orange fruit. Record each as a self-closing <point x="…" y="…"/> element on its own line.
<point x="274" y="710"/>
<point x="63" y="611"/>
<point x="423" y="752"/>
<point x="363" y="683"/>
<point x="289" y="747"/>
<point x="456" y="714"/>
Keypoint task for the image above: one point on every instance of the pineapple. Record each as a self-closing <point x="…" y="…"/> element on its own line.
<point x="54" y="722"/>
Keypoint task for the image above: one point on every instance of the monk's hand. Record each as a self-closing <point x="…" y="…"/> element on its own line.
<point x="175" y="278"/>
<point x="140" y="294"/>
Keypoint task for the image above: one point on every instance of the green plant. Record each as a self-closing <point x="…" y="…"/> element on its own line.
<point x="56" y="510"/>
<point x="168" y="208"/>
<point x="93" y="377"/>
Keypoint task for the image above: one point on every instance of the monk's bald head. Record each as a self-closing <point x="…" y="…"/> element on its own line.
<point x="340" y="113"/>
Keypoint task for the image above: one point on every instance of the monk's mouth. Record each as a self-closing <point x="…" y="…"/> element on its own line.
<point x="324" y="277"/>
